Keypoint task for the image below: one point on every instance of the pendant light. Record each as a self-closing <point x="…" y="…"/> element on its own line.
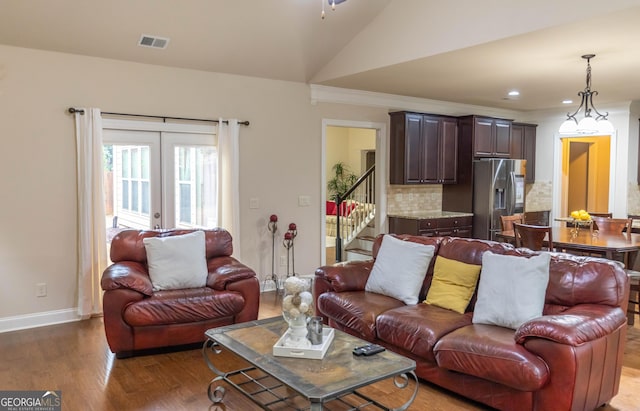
<point x="588" y="124"/>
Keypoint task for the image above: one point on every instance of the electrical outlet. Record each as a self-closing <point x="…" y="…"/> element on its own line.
<point x="41" y="289"/>
<point x="283" y="260"/>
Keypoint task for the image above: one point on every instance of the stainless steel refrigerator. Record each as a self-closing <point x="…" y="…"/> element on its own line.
<point x="498" y="189"/>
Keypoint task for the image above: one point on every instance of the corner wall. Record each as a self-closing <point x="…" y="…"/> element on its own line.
<point x="279" y="161"/>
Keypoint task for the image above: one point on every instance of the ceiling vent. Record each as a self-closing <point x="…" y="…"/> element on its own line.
<point x="153" y="41"/>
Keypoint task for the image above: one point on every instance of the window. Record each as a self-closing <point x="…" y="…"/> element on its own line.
<point x="160" y="175"/>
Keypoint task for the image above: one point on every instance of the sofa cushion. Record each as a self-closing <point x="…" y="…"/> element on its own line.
<point x="453" y="284"/>
<point x="356" y="310"/>
<point x="177" y="262"/>
<point x="512" y="289"/>
<point x="417" y="328"/>
<point x="183" y="306"/>
<point x="399" y="269"/>
<point x="490" y="352"/>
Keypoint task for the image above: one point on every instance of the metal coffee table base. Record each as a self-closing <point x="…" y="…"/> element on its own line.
<point x="269" y="393"/>
<point x="337" y="381"/>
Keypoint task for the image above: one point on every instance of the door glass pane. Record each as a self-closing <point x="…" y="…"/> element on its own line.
<point x="128" y="200"/>
<point x="196" y="186"/>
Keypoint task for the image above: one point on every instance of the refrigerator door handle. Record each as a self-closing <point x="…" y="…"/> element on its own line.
<point x="511" y="193"/>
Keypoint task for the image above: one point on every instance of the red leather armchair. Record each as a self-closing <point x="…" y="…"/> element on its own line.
<point x="136" y="317"/>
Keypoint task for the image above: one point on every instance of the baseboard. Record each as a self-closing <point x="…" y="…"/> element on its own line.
<point x="22" y="322"/>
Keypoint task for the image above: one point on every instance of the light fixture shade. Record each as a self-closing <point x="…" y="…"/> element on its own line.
<point x="605" y="127"/>
<point x="588" y="125"/>
<point x="568" y="127"/>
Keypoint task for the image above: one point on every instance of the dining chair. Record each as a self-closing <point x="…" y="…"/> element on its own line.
<point x="533" y="236"/>
<point x="611" y="225"/>
<point x="633" y="218"/>
<point x="634" y="296"/>
<point x="506" y="221"/>
<point x="607" y="215"/>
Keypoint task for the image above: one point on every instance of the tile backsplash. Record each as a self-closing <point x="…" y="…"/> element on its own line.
<point x="401" y="199"/>
<point x="428" y="197"/>
<point x="408" y="198"/>
<point x="539" y="196"/>
<point x="633" y="198"/>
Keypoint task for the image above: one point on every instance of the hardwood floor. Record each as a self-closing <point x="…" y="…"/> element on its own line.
<point x="75" y="359"/>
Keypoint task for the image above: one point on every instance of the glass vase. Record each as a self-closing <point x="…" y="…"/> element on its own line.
<point x="297" y="308"/>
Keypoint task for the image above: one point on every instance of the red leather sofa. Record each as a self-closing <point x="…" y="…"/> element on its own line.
<point x="568" y="359"/>
<point x="137" y="318"/>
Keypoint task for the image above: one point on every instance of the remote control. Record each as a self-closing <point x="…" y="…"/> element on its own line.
<point x="367" y="350"/>
<point x="372" y="349"/>
<point x="359" y="350"/>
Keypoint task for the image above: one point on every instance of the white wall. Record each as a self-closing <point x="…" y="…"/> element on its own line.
<point x="547" y="152"/>
<point x="360" y="140"/>
<point x="279" y="156"/>
<point x="346" y="144"/>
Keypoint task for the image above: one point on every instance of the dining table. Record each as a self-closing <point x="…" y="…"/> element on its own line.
<point x="613" y="246"/>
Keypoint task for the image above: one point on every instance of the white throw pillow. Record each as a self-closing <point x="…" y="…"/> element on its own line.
<point x="399" y="269"/>
<point x="177" y="262"/>
<point x="511" y="290"/>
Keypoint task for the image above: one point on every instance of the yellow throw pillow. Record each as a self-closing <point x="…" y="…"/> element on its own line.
<point x="453" y="284"/>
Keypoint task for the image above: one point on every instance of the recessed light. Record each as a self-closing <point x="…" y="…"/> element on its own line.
<point x="567" y="101"/>
<point x="514" y="93"/>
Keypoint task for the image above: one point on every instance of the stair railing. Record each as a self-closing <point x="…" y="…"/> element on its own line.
<point x="358" y="210"/>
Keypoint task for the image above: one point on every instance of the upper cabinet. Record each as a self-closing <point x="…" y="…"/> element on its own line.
<point x="523" y="145"/>
<point x="491" y="136"/>
<point x="424" y="149"/>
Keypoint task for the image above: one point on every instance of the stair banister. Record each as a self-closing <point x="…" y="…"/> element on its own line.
<point x="367" y="179"/>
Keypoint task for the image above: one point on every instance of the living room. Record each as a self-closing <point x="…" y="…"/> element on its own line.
<point x="281" y="151"/>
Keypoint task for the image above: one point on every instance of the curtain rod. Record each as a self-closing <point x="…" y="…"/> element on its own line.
<point x="73" y="110"/>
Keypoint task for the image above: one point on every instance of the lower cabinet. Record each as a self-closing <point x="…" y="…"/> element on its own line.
<point x="432" y="227"/>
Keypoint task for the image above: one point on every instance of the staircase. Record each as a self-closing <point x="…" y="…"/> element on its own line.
<point x="353" y="230"/>
<point x="360" y="248"/>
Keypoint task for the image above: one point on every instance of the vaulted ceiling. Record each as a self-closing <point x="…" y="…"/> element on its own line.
<point x="467" y="51"/>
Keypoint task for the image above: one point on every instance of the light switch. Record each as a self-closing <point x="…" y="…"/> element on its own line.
<point x="254" y="203"/>
<point x="304" y="201"/>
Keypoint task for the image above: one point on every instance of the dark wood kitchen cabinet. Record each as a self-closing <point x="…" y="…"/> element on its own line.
<point x="523" y="145"/>
<point x="478" y="137"/>
<point x="432" y="227"/>
<point x="491" y="136"/>
<point x="424" y="149"/>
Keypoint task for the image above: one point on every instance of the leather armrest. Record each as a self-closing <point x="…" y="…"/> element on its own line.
<point x="349" y="276"/>
<point x="576" y="326"/>
<point x="226" y="270"/>
<point x="127" y="274"/>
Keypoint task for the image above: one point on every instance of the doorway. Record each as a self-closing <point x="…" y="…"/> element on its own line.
<point x="356" y="144"/>
<point x="586" y="168"/>
<point x="159" y="177"/>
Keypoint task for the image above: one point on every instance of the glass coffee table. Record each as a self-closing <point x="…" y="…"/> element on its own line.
<point x="281" y="383"/>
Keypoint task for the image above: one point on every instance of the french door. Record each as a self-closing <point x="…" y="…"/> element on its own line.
<point x="160" y="175"/>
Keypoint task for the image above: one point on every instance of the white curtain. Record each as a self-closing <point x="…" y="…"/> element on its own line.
<point x="92" y="247"/>
<point x="228" y="180"/>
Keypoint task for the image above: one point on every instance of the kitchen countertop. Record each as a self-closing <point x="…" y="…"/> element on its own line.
<point x="421" y="215"/>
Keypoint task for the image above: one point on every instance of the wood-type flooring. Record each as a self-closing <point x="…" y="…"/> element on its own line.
<point x="75" y="359"/>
